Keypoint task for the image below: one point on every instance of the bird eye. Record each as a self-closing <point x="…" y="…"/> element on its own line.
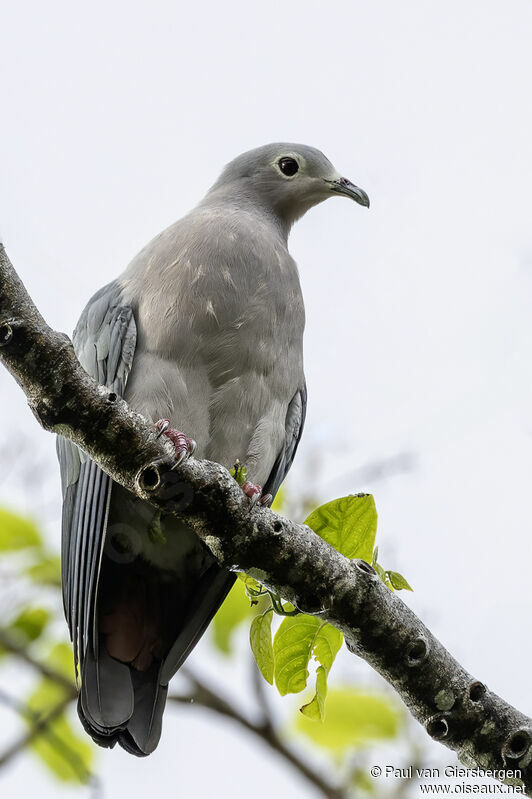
<point x="288" y="166"/>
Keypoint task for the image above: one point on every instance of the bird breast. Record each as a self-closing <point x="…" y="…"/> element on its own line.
<point x="220" y="323"/>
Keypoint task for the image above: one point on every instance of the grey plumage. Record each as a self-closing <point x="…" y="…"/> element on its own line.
<point x="203" y="328"/>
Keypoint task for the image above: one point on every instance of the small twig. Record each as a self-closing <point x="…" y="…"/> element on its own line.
<point x="204" y="696"/>
<point x="260" y="694"/>
<point x="8" y="642"/>
<point x="41" y="725"/>
<point x="277" y="606"/>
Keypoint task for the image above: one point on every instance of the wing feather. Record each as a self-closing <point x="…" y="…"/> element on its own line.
<point x="104" y="341"/>
<point x="295" y="420"/>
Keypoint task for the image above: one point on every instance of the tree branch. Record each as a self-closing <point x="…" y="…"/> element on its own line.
<point x="39" y="725"/>
<point x="288" y="558"/>
<point x="202" y="695"/>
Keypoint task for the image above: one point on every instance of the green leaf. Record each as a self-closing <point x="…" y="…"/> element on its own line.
<point x="260" y="638"/>
<point x="392" y="580"/>
<point x="292" y="648"/>
<point x="27" y="626"/>
<point x="296" y="641"/>
<point x="354" y="719"/>
<point x="46" y="571"/>
<point x="315" y="709"/>
<point x="349" y="524"/>
<point x="235" y="609"/>
<point x="30" y="624"/>
<point x="240" y="473"/>
<point x="17" y="532"/>
<point x="398" y="581"/>
<point x="327" y="643"/>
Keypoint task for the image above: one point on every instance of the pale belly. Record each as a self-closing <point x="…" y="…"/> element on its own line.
<point x="242" y="418"/>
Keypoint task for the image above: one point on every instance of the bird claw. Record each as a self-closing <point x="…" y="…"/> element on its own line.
<point x="184" y="447"/>
<point x="162" y="426"/>
<point x="254" y="492"/>
<point x="179" y="459"/>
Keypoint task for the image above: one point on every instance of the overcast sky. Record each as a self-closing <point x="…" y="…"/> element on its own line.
<point x="117" y="117"/>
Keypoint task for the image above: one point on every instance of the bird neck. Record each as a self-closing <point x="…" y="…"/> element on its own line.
<point x="242" y="197"/>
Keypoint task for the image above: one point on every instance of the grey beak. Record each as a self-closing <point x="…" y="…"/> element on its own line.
<point x="347" y="189"/>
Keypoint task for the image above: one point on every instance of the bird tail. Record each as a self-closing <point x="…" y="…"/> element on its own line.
<point x="119" y="703"/>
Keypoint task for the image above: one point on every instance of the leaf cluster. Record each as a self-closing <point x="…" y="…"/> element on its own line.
<point x="287" y="653"/>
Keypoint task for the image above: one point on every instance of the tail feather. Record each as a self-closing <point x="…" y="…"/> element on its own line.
<point x="145" y="725"/>
<point x="119" y="704"/>
<point x="106" y="698"/>
<point x="147" y="624"/>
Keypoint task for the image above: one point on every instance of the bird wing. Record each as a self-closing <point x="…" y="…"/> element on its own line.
<point x="116" y="702"/>
<point x="104" y="341"/>
<point x="295" y="419"/>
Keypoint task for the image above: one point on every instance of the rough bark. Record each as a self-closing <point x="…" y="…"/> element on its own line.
<point x="289" y="558"/>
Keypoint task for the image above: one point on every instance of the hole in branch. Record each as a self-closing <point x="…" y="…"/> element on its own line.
<point x="149" y="478"/>
<point x="112" y="397"/>
<point x="437" y="728"/>
<point x="476" y="691"/>
<point x="310" y="605"/>
<point x="517" y="745"/>
<point x="6" y="333"/>
<point x="362" y="566"/>
<point x="277" y="527"/>
<point x="416" y="651"/>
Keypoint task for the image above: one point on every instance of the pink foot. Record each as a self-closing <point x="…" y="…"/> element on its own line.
<point x="254" y="492"/>
<point x="184" y="447"/>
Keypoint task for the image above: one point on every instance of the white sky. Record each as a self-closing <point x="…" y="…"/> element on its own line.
<point x="115" y="120"/>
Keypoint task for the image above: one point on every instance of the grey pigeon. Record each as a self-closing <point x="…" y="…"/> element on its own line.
<point x="204" y="328"/>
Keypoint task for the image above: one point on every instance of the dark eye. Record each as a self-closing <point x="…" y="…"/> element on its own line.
<point x="288" y="166"/>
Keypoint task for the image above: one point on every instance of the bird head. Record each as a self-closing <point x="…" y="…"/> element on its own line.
<point x="287" y="179"/>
